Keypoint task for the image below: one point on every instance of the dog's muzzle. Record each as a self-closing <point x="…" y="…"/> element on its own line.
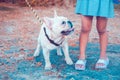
<point x="70" y="30"/>
<point x="67" y="32"/>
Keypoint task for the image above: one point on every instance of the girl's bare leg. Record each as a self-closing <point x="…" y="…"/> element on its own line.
<point x="85" y="30"/>
<point x="101" y="28"/>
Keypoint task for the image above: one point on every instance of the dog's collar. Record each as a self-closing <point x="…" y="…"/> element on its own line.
<point x="51" y="41"/>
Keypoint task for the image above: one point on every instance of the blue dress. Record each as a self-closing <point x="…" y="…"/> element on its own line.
<point x="103" y="8"/>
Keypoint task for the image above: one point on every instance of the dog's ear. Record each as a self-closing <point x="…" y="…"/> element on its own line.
<point x="48" y="22"/>
<point x="55" y="13"/>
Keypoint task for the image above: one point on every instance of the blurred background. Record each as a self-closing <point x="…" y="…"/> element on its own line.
<point x="45" y="3"/>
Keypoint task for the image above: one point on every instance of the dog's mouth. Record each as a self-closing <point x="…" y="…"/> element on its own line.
<point x="67" y="32"/>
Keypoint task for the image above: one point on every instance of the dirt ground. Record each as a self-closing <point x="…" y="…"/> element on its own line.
<point x="19" y="30"/>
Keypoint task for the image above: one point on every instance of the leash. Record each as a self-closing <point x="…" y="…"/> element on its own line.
<point x="34" y="12"/>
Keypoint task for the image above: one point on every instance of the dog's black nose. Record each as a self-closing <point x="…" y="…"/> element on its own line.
<point x="70" y="24"/>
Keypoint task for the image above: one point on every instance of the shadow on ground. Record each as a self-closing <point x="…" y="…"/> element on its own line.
<point x="26" y="69"/>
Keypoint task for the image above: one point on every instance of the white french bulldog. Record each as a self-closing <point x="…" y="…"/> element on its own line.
<point x="53" y="36"/>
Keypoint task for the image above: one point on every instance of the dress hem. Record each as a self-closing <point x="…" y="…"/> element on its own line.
<point x="95" y="15"/>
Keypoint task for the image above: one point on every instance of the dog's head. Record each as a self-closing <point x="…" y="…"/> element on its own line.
<point x="59" y="25"/>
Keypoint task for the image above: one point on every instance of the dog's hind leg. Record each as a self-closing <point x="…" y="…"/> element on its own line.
<point x="37" y="51"/>
<point x="59" y="53"/>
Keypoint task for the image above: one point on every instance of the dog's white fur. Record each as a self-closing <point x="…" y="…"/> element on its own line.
<point x="53" y="29"/>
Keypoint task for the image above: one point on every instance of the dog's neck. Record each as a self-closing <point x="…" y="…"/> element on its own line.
<point x="55" y="40"/>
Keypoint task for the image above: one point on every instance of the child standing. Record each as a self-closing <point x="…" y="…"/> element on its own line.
<point x="102" y="10"/>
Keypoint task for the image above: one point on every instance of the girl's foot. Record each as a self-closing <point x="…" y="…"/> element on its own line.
<point x="102" y="63"/>
<point x="80" y="64"/>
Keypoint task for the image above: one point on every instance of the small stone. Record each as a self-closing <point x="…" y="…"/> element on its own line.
<point x="30" y="58"/>
<point x="38" y="64"/>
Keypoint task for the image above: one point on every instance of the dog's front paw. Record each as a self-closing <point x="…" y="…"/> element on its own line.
<point x="48" y="67"/>
<point x="69" y="61"/>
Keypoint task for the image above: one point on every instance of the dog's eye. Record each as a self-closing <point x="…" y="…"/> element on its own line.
<point x="63" y="22"/>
